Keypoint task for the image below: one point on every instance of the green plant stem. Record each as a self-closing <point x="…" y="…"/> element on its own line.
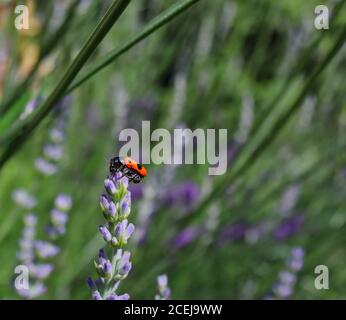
<point x="21" y="132"/>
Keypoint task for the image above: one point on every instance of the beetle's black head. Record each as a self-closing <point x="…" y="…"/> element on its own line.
<point x="115" y="164"/>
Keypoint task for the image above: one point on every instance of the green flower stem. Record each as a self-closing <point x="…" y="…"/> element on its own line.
<point x="21" y="132"/>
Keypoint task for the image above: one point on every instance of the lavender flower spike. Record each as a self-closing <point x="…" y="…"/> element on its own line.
<point x="284" y="288"/>
<point x="33" y="253"/>
<point x="112" y="269"/>
<point x="162" y="285"/>
<point x="24" y="199"/>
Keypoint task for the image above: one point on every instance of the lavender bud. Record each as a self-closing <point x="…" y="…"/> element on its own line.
<point x="41" y="271"/>
<point x="24" y="199"/>
<point x="114" y="242"/>
<point x="96" y="295"/>
<point x="162" y="281"/>
<point x="37" y="289"/>
<point x="45" y="167"/>
<point x="162" y="285"/>
<point x="124" y="265"/>
<point x="30" y="220"/>
<point x="56" y="135"/>
<point x="53" y="152"/>
<point x="29" y="108"/>
<point x="91" y="283"/>
<point x="104" y="202"/>
<point x="125" y="206"/>
<point x="121" y="181"/>
<point x="124" y="296"/>
<point x="58" y="218"/>
<point x="63" y="202"/>
<point x="105" y="233"/>
<point x="297" y="253"/>
<point x="110" y="187"/>
<point x="108" y="207"/>
<point x="46" y="249"/>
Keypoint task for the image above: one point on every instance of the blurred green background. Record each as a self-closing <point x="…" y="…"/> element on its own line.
<point x="258" y="68"/>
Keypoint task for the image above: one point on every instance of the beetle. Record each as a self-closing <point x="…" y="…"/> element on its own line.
<point x="129" y="167"/>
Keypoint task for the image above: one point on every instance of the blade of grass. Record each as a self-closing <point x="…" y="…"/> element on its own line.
<point x="22" y="130"/>
<point x="152" y="26"/>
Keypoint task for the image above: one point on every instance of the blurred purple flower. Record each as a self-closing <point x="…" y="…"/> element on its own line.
<point x="53" y="152"/>
<point x="136" y="191"/>
<point x="35" y="290"/>
<point x="288" y="227"/>
<point x="56" y="135"/>
<point x="185" y="237"/>
<point x="22" y="198"/>
<point x="45" y="167"/>
<point x="287" y="279"/>
<point x="297" y="259"/>
<point x="40" y="271"/>
<point x="289" y="199"/>
<point x="58" y="216"/>
<point x="185" y="194"/>
<point x="46" y="249"/>
<point x="26" y="242"/>
<point x="30" y="107"/>
<point x="164" y="293"/>
<point x="232" y="232"/>
<point x="63" y="202"/>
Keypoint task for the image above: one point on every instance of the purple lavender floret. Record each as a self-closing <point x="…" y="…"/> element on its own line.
<point x="164" y="293"/>
<point x="22" y="198"/>
<point x="185" y="194"/>
<point x="287" y="279"/>
<point x="46" y="249"/>
<point x="233" y="232"/>
<point x="288" y="227"/>
<point x="53" y="151"/>
<point x="30" y="107"/>
<point x="41" y="271"/>
<point x="26" y="243"/>
<point x="63" y="202"/>
<point x="136" y="191"/>
<point x="34" y="253"/>
<point x="297" y="259"/>
<point x="45" y="167"/>
<point x="186" y="237"/>
<point x="189" y="193"/>
<point x="116" y="207"/>
<point x="35" y="290"/>
<point x="59" y="216"/>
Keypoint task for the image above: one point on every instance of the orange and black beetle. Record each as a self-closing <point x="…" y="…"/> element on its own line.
<point x="129" y="167"/>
